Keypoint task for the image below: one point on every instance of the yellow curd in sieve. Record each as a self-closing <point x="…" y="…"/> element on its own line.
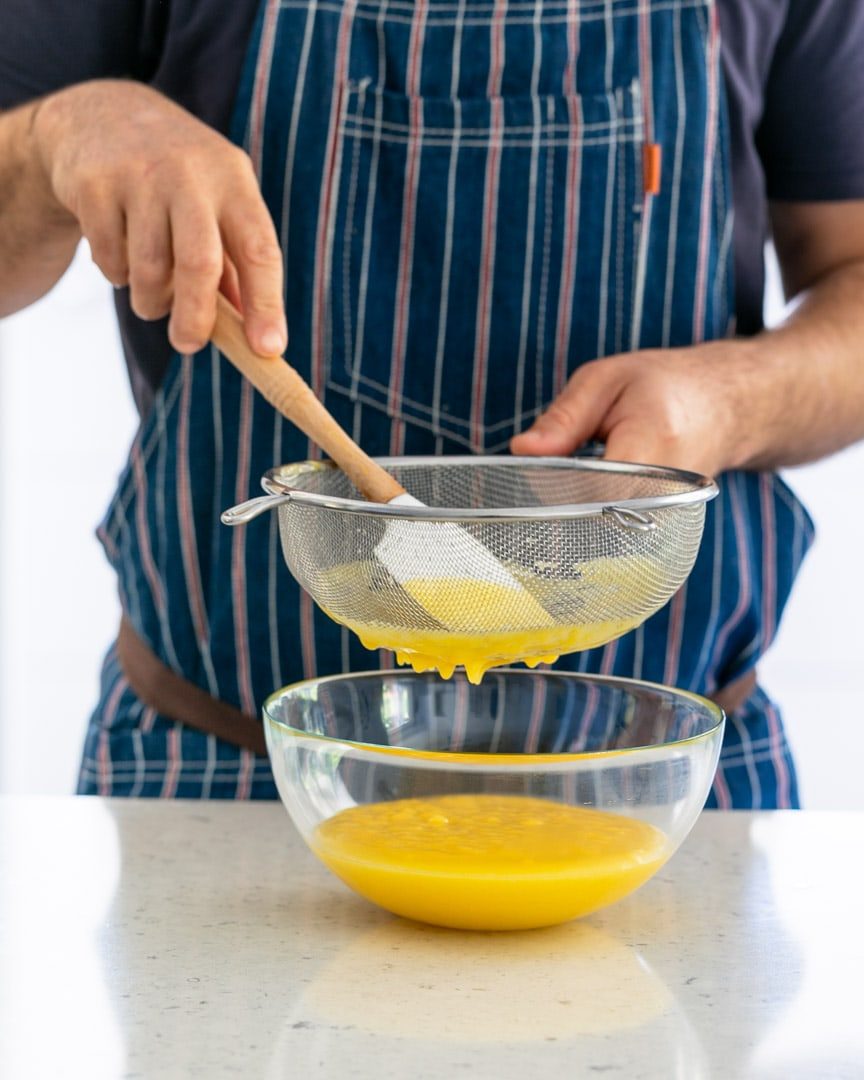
<point x="485" y="625"/>
<point x="488" y="862"/>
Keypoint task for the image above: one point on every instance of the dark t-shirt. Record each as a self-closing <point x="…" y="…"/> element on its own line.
<point x="794" y="77"/>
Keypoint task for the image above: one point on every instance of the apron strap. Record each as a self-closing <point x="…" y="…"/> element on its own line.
<point x="174" y="697"/>
<point x="731" y="697"/>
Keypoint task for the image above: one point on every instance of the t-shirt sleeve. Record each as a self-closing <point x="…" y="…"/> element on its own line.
<point x="48" y="44"/>
<point x="811" y="138"/>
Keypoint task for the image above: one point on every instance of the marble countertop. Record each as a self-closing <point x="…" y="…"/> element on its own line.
<point x="148" y="939"/>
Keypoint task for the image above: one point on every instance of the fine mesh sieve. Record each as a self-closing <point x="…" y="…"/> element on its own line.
<point x="597" y="546"/>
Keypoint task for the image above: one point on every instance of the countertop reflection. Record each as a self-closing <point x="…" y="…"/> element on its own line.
<point x="147" y="939"/>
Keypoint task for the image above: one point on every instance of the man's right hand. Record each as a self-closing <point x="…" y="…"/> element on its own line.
<point x="169" y="207"/>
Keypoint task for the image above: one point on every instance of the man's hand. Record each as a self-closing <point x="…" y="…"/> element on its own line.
<point x="785" y="397"/>
<point x="676" y="407"/>
<point x="169" y="207"/>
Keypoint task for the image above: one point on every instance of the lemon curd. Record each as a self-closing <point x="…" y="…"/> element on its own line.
<point x="485" y="624"/>
<point x="488" y="862"/>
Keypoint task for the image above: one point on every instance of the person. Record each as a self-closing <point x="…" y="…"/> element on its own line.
<point x="492" y="225"/>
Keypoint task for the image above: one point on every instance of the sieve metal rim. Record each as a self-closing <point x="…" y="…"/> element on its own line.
<point x="698" y="489"/>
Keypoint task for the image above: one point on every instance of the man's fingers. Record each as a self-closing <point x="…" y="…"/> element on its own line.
<point x="636" y="447"/>
<point x="198" y="265"/>
<point x="103" y="225"/>
<point x="576" y="415"/>
<point x="229" y="286"/>
<point x="644" y="444"/>
<point x="148" y="247"/>
<point x="251" y="244"/>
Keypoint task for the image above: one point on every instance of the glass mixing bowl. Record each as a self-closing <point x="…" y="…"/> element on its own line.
<point x="528" y="800"/>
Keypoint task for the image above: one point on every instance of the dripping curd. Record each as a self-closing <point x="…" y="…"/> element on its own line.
<point x="484" y="624"/>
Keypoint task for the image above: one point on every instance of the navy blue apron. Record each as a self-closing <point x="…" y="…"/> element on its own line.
<point x="469" y="204"/>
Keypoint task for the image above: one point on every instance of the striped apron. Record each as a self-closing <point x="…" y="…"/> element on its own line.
<point x="470" y="204"/>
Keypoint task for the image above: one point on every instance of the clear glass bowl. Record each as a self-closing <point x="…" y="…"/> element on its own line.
<point x="531" y="799"/>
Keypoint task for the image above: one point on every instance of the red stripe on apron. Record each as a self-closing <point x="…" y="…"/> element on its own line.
<point x="244" y="778"/>
<point x="321" y="287"/>
<point x="148" y="719"/>
<point x="739" y="516"/>
<point x="592" y="700"/>
<point x="185" y="514"/>
<point x="104" y="753"/>
<point x="646" y="68"/>
<point x="608" y="662"/>
<point x="535" y="724"/>
<point x="674" y="635"/>
<point x="460" y="717"/>
<point x="409" y="210"/>
<point x="781" y="770"/>
<point x="490" y="227"/>
<point x="307" y="635"/>
<point x="571" y="205"/>
<point x="257" y="112"/>
<point x="721" y="790"/>
<point x="147" y="561"/>
<point x="238" y="555"/>
<point x="769" y="558"/>
<point x="707" y="183"/>
<point x="174" y="764"/>
<point x="322" y="253"/>
<point x="262" y="84"/>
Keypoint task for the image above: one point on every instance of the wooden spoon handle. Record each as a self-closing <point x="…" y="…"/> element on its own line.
<point x="288" y="393"/>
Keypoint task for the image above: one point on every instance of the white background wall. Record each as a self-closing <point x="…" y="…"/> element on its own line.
<point x="66" y="419"/>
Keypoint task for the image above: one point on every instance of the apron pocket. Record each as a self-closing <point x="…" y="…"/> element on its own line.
<point x="478" y="251"/>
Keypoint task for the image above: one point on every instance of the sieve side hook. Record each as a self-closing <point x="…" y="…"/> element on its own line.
<point x="631" y="519"/>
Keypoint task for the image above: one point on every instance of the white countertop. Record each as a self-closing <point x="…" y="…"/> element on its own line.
<point x="146" y="939"/>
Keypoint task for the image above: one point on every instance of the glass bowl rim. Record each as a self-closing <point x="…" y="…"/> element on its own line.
<point x="458" y="758"/>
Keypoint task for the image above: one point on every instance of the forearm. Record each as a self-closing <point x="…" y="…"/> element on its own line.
<point x="38" y="236"/>
<point x="803" y="383"/>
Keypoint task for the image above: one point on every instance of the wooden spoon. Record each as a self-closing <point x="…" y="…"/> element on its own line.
<point x="409" y="552"/>
<point x="290" y="394"/>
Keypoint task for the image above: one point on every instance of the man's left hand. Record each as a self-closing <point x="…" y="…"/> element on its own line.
<point x="787" y="396"/>
<point x="677" y="407"/>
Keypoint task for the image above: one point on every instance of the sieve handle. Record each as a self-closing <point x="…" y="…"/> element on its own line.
<point x="290" y="395"/>
<point x="246" y="511"/>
